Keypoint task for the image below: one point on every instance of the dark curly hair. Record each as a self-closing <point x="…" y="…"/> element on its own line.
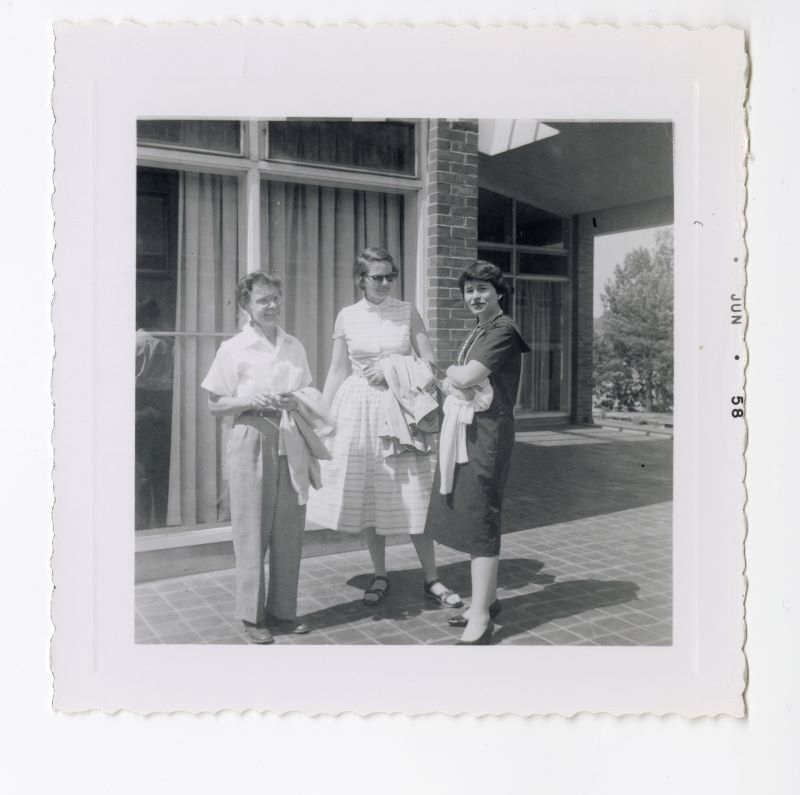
<point x="482" y="271"/>
<point x="244" y="286"/>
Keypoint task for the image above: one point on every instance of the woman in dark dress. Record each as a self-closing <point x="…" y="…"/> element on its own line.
<point x="468" y="518"/>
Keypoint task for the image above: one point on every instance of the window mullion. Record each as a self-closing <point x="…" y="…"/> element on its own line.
<point x="253" y="192"/>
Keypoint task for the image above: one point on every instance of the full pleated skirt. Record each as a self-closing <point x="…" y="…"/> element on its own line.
<point x="361" y="488"/>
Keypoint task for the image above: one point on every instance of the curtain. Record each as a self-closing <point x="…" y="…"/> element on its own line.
<point x="312" y="235"/>
<point x="208" y="256"/>
<point x="538" y="309"/>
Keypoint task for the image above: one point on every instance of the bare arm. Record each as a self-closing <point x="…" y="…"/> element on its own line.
<point x="467" y="375"/>
<point x="220" y="405"/>
<point x="419" y="336"/>
<point x="337" y="372"/>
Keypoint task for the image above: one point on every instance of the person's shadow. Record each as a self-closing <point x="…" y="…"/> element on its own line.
<point x="520" y="613"/>
<point x="526" y="612"/>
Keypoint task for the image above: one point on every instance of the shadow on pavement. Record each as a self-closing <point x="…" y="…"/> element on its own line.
<point x="526" y="612"/>
<point x="520" y="613"/>
<point x="407" y="600"/>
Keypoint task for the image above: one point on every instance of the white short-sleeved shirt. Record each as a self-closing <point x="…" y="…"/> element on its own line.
<point x="373" y="331"/>
<point x="249" y="362"/>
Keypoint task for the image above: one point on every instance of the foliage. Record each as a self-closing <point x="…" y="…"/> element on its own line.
<point x="633" y="340"/>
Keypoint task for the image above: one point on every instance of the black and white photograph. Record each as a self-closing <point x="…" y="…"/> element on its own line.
<point x="396" y="365"/>
<point x="340" y="335"/>
<point x="404" y="381"/>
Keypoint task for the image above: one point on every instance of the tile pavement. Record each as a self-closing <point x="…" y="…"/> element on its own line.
<point x="586" y="560"/>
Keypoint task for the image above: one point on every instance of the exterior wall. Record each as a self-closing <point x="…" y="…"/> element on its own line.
<point x="582" y="318"/>
<point x="451" y="196"/>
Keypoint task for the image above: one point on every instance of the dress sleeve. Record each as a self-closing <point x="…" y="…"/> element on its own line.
<point x="221" y="379"/>
<point x="338" y="327"/>
<point x="493" y="348"/>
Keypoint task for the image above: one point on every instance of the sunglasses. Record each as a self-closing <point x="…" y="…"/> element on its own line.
<point x="381" y="279"/>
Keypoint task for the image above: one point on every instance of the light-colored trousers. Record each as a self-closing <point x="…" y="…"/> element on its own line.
<point x="265" y="516"/>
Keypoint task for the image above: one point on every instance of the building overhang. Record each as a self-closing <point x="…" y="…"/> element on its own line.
<point x="588" y="167"/>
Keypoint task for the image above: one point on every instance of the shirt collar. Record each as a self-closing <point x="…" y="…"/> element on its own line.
<point x="253" y="337"/>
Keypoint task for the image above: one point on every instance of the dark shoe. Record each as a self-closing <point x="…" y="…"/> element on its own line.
<point x="483" y="640"/>
<point x="287" y="626"/>
<point x="461" y="621"/>
<point x="445" y="598"/>
<point x="257" y="634"/>
<point x="378" y="593"/>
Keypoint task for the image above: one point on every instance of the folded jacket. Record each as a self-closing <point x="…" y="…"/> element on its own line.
<point x="300" y="443"/>
<point x="409" y="402"/>
<point x="458" y="414"/>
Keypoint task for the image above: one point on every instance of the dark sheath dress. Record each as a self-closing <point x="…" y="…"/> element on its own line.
<point x="468" y="519"/>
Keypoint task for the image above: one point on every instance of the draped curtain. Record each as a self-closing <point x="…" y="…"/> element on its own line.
<point x="312" y="235"/>
<point x="539" y="313"/>
<point x="208" y="256"/>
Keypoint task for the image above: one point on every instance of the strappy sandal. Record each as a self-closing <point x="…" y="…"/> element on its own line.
<point x="443" y="597"/>
<point x="380" y="593"/>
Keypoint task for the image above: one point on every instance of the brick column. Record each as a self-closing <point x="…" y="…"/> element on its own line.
<point x="452" y="230"/>
<point x="582" y="318"/>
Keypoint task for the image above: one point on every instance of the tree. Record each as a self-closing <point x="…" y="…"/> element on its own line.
<point x="633" y="341"/>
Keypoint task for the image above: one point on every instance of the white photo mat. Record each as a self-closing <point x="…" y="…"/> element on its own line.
<point x="106" y="77"/>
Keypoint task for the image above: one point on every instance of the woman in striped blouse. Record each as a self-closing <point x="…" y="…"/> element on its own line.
<point x="364" y="490"/>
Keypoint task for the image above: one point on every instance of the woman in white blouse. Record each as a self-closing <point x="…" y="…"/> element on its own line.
<point x="252" y="379"/>
<point x="363" y="489"/>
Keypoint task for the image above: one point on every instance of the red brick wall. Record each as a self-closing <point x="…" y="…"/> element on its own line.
<point x="452" y="230"/>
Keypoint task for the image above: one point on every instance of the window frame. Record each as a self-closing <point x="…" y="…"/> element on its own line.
<point x="243" y="139"/>
<point x="262" y="148"/>
<point x="566" y="321"/>
<point x="251" y="170"/>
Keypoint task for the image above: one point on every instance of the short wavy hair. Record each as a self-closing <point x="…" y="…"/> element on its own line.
<point x="482" y="271"/>
<point x="367" y="257"/>
<point x="244" y="286"/>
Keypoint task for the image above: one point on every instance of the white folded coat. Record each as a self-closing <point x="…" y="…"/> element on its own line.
<point x="458" y="413"/>
<point x="408" y="400"/>
<point x="299" y="441"/>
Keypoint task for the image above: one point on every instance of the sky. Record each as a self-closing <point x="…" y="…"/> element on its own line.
<point x="610" y="250"/>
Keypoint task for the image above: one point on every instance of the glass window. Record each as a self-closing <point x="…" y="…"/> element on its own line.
<point x="203" y="136"/>
<point x="152" y="213"/>
<point x="542" y="264"/>
<point x="495" y="217"/>
<point x="535" y="227"/>
<point x="183" y="312"/>
<point x="157" y="242"/>
<point x="506" y="228"/>
<point x="374" y="146"/>
<point x="501" y="259"/>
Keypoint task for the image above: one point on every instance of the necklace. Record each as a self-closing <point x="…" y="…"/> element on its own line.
<point x="476" y="333"/>
<point x="494" y="317"/>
